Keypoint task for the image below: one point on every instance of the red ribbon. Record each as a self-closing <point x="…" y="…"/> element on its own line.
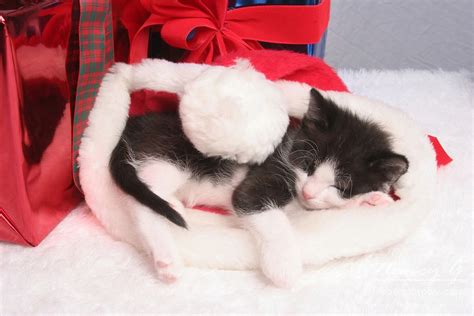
<point x="442" y="157"/>
<point x="207" y="29"/>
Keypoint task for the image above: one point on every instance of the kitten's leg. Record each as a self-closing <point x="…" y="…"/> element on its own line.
<point x="280" y="256"/>
<point x="164" y="180"/>
<point x="258" y="202"/>
<point x="156" y="237"/>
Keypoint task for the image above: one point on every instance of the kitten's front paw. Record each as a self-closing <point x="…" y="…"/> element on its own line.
<point x="375" y="198"/>
<point x="281" y="263"/>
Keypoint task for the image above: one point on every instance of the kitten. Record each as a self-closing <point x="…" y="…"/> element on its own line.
<point x="332" y="159"/>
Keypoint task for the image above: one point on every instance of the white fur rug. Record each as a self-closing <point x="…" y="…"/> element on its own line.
<point x="79" y="269"/>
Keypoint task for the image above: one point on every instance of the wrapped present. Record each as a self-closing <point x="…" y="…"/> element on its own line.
<point x="201" y="30"/>
<point x="37" y="188"/>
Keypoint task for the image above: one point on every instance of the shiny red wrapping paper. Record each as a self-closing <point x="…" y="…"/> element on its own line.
<point x="36" y="187"/>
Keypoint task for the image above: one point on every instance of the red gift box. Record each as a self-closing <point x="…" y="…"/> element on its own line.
<point x="36" y="184"/>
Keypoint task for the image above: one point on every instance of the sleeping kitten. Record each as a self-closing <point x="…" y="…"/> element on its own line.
<point x="332" y="159"/>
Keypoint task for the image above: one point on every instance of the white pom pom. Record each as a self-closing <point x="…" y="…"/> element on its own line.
<point x="234" y="112"/>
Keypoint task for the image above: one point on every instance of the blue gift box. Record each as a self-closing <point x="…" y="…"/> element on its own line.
<point x="158" y="48"/>
<point x="317" y="49"/>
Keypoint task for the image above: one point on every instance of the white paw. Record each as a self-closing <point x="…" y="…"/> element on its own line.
<point x="166" y="257"/>
<point x="168" y="272"/>
<point x="281" y="263"/>
<point x="374" y="199"/>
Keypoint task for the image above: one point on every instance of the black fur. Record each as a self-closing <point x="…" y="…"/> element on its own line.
<point x="360" y="149"/>
<point x="161" y="136"/>
<point x="271" y="184"/>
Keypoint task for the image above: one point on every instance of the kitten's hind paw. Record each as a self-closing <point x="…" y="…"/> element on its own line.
<point x="168" y="272"/>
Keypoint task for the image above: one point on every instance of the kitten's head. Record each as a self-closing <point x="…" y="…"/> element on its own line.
<point x="339" y="155"/>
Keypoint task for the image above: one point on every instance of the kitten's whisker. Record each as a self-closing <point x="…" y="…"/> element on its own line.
<point x="313" y="145"/>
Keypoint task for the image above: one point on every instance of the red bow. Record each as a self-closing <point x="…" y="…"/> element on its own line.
<point x="207" y="29"/>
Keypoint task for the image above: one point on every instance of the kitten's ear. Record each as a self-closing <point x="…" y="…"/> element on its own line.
<point x="318" y="111"/>
<point x="391" y="165"/>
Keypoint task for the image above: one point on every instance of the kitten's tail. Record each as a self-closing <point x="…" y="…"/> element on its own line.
<point x="103" y="190"/>
<point x="126" y="177"/>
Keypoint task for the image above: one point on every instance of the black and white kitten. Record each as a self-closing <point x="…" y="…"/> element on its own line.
<point x="332" y="159"/>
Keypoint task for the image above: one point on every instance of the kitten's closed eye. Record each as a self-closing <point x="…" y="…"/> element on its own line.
<point x="309" y="166"/>
<point x="344" y="189"/>
<point x="304" y="162"/>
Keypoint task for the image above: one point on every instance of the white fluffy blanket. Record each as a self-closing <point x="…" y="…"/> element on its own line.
<point x="79" y="268"/>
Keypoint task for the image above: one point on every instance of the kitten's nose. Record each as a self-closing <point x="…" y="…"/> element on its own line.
<point x="307" y="195"/>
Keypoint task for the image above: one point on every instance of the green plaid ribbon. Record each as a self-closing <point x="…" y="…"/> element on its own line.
<point x="96" y="55"/>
